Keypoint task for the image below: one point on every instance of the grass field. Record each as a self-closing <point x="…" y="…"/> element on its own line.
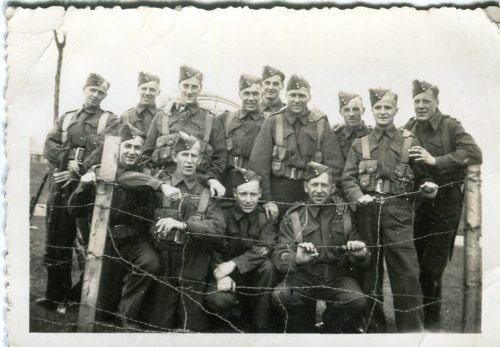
<point x="46" y="321"/>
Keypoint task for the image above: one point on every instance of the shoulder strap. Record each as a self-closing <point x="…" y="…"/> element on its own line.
<point x="294" y="216"/>
<point x="125" y="117"/>
<point x="279" y="130"/>
<point x="346" y="216"/>
<point x="320" y="130"/>
<point x="405" y="155"/>
<point x="208" y="127"/>
<point x="165" y="128"/>
<point x="227" y="122"/>
<point x="203" y="203"/>
<point x="166" y="201"/>
<point x="446" y="135"/>
<point x="64" y="126"/>
<point x="101" y="125"/>
<point x="365" y="148"/>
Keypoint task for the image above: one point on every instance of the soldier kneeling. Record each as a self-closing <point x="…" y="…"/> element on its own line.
<point x="317" y="251"/>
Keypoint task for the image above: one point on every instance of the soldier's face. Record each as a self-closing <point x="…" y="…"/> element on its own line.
<point x="352" y="112"/>
<point x="247" y="195"/>
<point x="298" y="99"/>
<point x="250" y="97"/>
<point x="130" y="151"/>
<point x="384" y="112"/>
<point x="93" y="96"/>
<point x="425" y="106"/>
<point x="188" y="160"/>
<point x="271" y="87"/>
<point x="190" y="89"/>
<point x="148" y="92"/>
<point x="319" y="188"/>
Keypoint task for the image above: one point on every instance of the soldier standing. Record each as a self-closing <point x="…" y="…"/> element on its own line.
<point x="378" y="167"/>
<point x="446" y="148"/>
<point x="272" y="83"/>
<point x="286" y="143"/>
<point x="317" y="251"/>
<point x="141" y="116"/>
<point x="185" y="234"/>
<point x="245" y="259"/>
<point x="188" y="116"/>
<point x="71" y="147"/>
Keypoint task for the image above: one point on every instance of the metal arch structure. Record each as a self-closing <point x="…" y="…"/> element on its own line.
<point x="212" y="102"/>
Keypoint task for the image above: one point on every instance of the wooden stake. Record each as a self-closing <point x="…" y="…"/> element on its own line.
<point x="60" y="47"/>
<point x="472" y="251"/>
<point x="98" y="232"/>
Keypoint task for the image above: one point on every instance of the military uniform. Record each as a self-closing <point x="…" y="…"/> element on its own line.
<point x="346" y="136"/>
<point x="328" y="277"/>
<point x="284" y="146"/>
<point x="378" y="164"/>
<point x="77" y="135"/>
<point x="445" y="139"/>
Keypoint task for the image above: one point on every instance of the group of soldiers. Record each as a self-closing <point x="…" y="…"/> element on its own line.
<point x="244" y="220"/>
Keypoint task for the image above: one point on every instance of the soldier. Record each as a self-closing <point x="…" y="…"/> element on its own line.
<point x="188" y="116"/>
<point x="317" y="251"/>
<point x="378" y="167"/>
<point x="286" y="143"/>
<point x="272" y="83"/>
<point x="241" y="127"/>
<point x="132" y="259"/>
<point x="71" y="147"/>
<point x="245" y="260"/>
<point x="142" y="115"/>
<point x="446" y="148"/>
<point x="351" y="109"/>
<point x="185" y="234"/>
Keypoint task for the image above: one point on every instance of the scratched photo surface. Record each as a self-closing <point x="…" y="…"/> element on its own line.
<point x="124" y="216"/>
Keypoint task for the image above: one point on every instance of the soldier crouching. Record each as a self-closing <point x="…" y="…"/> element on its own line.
<point x="318" y="250"/>
<point x="245" y="259"/>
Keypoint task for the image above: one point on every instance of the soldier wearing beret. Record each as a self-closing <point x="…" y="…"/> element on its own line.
<point x="378" y="166"/>
<point x="186" y="232"/>
<point x="446" y="148"/>
<point x="245" y="259"/>
<point x="351" y="109"/>
<point x="241" y="127"/>
<point x="71" y="147"/>
<point x="286" y="143"/>
<point x="142" y="114"/>
<point x="318" y="251"/>
<point x="188" y="116"/>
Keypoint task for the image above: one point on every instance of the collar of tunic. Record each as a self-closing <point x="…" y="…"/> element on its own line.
<point x="177" y="178"/>
<point x="141" y="108"/>
<point x="390" y="130"/>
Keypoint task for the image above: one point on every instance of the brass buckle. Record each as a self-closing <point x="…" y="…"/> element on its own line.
<point x="236" y="162"/>
<point x="378" y="187"/>
<point x="77" y="154"/>
<point x="293" y="174"/>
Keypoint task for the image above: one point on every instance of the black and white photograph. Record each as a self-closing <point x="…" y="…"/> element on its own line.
<point x="252" y="176"/>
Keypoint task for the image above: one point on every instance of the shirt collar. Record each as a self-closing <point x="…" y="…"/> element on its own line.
<point x="90" y="110"/>
<point x="141" y="108"/>
<point x="239" y="214"/>
<point x="254" y="115"/>
<point x="436" y="120"/>
<point x="389" y="130"/>
<point x="292" y="118"/>
<point x="177" y="178"/>
<point x="277" y="104"/>
<point x="348" y="131"/>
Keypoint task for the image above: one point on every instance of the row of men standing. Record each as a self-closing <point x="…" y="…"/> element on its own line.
<point x="278" y="141"/>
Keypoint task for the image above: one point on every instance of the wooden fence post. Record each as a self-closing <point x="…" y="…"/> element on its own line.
<point x="472" y="251"/>
<point x="98" y="232"/>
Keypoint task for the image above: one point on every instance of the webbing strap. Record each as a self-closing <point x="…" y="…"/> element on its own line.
<point x="165" y="128"/>
<point x="208" y="127"/>
<point x="64" y="126"/>
<point x="347" y="225"/>
<point x="279" y="130"/>
<point x="294" y="216"/>
<point x="101" y="125"/>
<point x="365" y="148"/>
<point x="165" y="200"/>
<point x="320" y="130"/>
<point x="227" y="122"/>
<point x="203" y="203"/>
<point x="405" y="154"/>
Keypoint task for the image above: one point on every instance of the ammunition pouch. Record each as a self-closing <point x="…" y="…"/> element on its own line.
<point x="318" y="157"/>
<point x="163" y="149"/>
<point x="279" y="154"/>
<point x="403" y="179"/>
<point x="124" y="231"/>
<point x="366" y="174"/>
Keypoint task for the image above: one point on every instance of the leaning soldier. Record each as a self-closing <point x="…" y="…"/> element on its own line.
<point x="141" y="116"/>
<point x="446" y="148"/>
<point x="286" y="143"/>
<point x="186" y="233"/>
<point x="71" y="147"/>
<point x="188" y="116"/>
<point x="245" y="260"/>
<point x="379" y="167"/>
<point x="318" y="251"/>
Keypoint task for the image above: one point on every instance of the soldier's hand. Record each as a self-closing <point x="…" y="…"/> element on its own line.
<point x="366" y="199"/>
<point x="271" y="210"/>
<point x="342" y="205"/>
<point x="63" y="177"/>
<point x="356" y="248"/>
<point x="166" y="225"/>
<point x="429" y="190"/>
<point x="226" y="284"/>
<point x="216" y="188"/>
<point x="73" y="166"/>
<point x="172" y="193"/>
<point x="224" y="269"/>
<point x="88" y="177"/>
<point x="421" y="154"/>
<point x="315" y="115"/>
<point x="338" y="127"/>
<point x="306" y="252"/>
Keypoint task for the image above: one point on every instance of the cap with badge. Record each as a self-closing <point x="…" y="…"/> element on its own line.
<point x="376" y="94"/>
<point x="315" y="169"/>
<point x="128" y="132"/>
<point x="269" y="71"/>
<point x="185" y="142"/>
<point x="95" y="80"/>
<point x="297" y="82"/>
<point x="345" y="97"/>
<point x="247" y="81"/>
<point x="186" y="72"/>
<point x="241" y="176"/>
<point x="424" y="87"/>
<point x="145" y="77"/>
